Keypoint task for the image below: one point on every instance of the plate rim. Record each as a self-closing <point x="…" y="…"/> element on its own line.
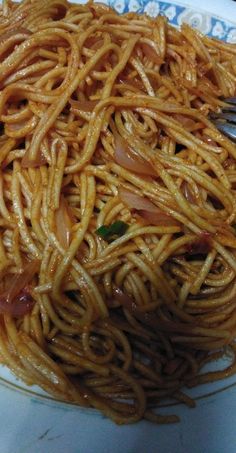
<point x="229" y="24"/>
<point x="44" y="398"/>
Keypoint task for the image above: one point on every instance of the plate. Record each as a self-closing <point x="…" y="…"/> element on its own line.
<point x="33" y="422"/>
<point x="209" y="24"/>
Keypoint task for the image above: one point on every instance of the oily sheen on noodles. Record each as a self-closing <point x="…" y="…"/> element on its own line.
<point x="117" y="206"/>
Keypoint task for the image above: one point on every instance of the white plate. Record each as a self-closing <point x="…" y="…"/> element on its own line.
<point x="32" y="422"/>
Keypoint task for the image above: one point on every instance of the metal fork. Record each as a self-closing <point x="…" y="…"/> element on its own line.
<point x="225" y="120"/>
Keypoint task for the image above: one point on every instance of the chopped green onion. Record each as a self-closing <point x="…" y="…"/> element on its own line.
<point x="112" y="232"/>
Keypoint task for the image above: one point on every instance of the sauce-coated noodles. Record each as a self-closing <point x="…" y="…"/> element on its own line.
<point x="117" y="206"/>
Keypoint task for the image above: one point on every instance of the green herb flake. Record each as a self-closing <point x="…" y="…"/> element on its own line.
<point x="112" y="232"/>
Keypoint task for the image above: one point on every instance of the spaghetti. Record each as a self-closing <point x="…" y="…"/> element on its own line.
<point x="117" y="206"/>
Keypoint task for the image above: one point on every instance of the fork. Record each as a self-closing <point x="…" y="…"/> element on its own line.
<point x="225" y="120"/>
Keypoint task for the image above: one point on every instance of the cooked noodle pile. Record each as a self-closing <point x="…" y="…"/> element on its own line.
<point x="117" y="206"/>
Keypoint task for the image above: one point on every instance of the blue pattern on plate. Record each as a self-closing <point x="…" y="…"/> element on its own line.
<point x="209" y="24"/>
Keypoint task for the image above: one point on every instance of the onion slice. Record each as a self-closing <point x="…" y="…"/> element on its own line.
<point x="22" y="304"/>
<point x="127" y="158"/>
<point x="84" y="106"/>
<point x="188" y="193"/>
<point x="201" y="246"/>
<point x="151" y="53"/>
<point x="20" y="281"/>
<point x="64" y="222"/>
<point x="134" y="201"/>
<point x="125" y="300"/>
<point x="38" y="162"/>
<point x="147" y="210"/>
<point x="158" y="218"/>
<point x="16" y="299"/>
<point x="136" y="83"/>
<point x="188" y="123"/>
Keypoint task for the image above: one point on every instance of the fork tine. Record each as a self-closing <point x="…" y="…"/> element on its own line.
<point x="225" y="120"/>
<point x="224" y="116"/>
<point x="230" y="104"/>
<point x="230" y="100"/>
<point x="228" y="129"/>
<point x="229" y="108"/>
